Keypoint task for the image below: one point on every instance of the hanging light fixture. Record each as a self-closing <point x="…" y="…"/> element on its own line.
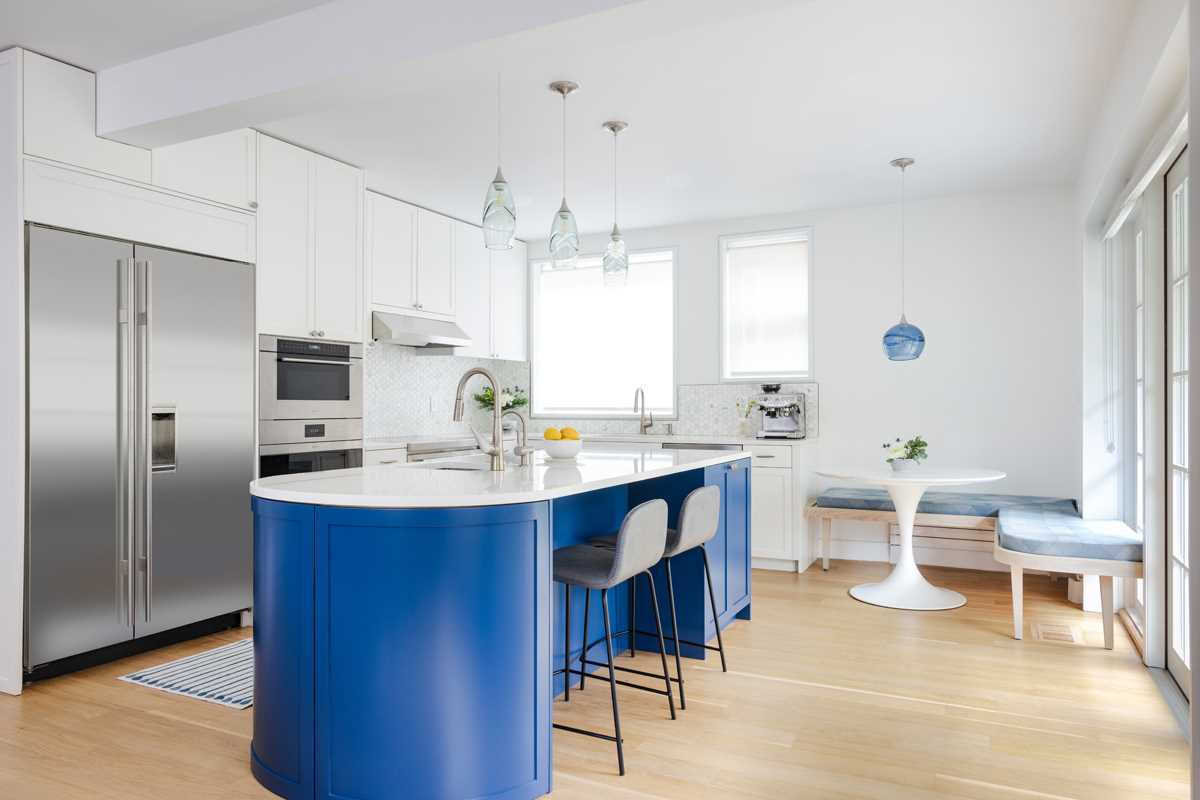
<point x="615" y="265"/>
<point x="903" y="341"/>
<point x="499" y="208"/>
<point x="564" y="233"/>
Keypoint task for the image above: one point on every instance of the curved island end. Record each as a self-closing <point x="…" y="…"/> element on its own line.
<point x="403" y="636"/>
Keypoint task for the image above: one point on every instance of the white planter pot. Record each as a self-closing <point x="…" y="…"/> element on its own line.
<point x="904" y="464"/>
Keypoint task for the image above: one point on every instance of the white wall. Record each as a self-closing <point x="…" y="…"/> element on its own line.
<point x="12" y="388"/>
<point x="994" y="281"/>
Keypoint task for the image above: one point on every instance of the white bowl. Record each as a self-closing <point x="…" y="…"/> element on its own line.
<point x="562" y="449"/>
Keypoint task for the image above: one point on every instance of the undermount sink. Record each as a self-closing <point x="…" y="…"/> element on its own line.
<point x="460" y="466"/>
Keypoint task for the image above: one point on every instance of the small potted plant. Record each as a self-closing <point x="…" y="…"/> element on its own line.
<point x="906" y="455"/>
<point x="511" y="397"/>
<point x="745" y="409"/>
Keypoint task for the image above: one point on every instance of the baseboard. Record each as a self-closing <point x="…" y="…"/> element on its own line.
<point x="776" y="564"/>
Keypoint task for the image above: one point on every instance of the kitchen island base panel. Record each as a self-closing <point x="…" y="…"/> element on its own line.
<point x="409" y="652"/>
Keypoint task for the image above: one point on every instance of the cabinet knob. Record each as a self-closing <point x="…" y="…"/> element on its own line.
<point x="321" y="333"/>
<point x="313" y="333"/>
<point x="253" y="204"/>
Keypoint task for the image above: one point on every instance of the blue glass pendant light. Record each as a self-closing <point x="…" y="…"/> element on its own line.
<point x="615" y="265"/>
<point x="499" y="208"/>
<point x="564" y="233"/>
<point x="903" y="341"/>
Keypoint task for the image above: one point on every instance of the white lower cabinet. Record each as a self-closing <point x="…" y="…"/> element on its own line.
<point x="771" y="513"/>
<point x="395" y="455"/>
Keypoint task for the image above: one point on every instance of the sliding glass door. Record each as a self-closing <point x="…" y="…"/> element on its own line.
<point x="1178" y="278"/>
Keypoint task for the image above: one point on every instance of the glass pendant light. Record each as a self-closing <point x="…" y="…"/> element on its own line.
<point x="903" y="341"/>
<point x="615" y="265"/>
<point x="564" y="233"/>
<point x="499" y="208"/>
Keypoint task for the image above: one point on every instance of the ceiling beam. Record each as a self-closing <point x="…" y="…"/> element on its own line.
<point x="301" y="63"/>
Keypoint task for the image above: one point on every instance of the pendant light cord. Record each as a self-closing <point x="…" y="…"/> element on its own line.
<point x="902" y="241"/>
<point x="499" y="150"/>
<point x="564" y="146"/>
<point x="614" y="179"/>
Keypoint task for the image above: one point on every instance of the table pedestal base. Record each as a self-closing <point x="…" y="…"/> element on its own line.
<point x="907" y="588"/>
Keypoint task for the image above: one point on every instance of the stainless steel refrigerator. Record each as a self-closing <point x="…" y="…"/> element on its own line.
<point x="141" y="441"/>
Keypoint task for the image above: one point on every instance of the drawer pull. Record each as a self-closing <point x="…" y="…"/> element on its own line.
<point x="388" y="460"/>
<point x="760" y="455"/>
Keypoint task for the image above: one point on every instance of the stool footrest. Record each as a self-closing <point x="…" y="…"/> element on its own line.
<point x="605" y="736"/>
<point x="650" y="689"/>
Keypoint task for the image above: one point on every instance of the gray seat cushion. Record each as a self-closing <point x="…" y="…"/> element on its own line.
<point x="1043" y="531"/>
<point x="584" y="565"/>
<point x="972" y="504"/>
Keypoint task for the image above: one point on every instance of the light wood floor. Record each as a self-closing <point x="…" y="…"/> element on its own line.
<point x="826" y="698"/>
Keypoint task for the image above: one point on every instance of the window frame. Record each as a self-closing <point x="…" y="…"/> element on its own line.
<point x="534" y="299"/>
<point x="798" y="231"/>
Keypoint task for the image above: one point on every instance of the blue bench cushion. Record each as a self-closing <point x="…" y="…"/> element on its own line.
<point x="1044" y="531"/>
<point x="971" y="504"/>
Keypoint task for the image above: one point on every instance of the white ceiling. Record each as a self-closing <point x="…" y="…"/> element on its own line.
<point x="773" y="107"/>
<point x="96" y="34"/>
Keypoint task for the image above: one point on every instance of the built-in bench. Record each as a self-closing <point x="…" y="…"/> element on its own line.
<point x="1047" y="538"/>
<point x="965" y="511"/>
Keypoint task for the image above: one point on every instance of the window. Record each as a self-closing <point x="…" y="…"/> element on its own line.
<point x="766" y="324"/>
<point x="594" y="345"/>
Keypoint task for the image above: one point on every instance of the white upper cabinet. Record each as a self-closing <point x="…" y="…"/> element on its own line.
<point x="391" y="252"/>
<point x="220" y="168"/>
<point x="510" y="276"/>
<point x="473" y="290"/>
<point x="435" y="263"/>
<point x="310" y="280"/>
<point x="410" y="257"/>
<point x="60" y="121"/>
<point x="337" y="191"/>
<point x="284" y="244"/>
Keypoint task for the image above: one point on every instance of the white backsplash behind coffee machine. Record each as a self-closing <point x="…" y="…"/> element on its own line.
<point x="410" y="393"/>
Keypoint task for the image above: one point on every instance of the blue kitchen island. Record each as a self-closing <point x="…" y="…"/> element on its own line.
<point x="406" y="628"/>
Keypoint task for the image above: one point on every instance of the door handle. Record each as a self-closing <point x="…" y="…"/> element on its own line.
<point x="126" y="440"/>
<point x="143" y="440"/>
<point x="291" y="360"/>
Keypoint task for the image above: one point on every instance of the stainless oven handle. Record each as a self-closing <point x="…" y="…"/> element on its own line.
<point x="314" y="361"/>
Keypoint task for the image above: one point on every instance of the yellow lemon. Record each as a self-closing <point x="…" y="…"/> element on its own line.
<point x="570" y="433"/>
<point x="552" y="434"/>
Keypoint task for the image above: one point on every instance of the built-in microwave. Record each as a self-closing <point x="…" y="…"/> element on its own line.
<point x="307" y="379"/>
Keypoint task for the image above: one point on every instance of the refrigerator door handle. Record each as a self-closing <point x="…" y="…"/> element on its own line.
<point x="143" y="441"/>
<point x="127" y="421"/>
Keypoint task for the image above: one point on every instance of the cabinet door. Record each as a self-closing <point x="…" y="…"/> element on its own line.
<point x="337" y="247"/>
<point x="60" y="121"/>
<point x="435" y="263"/>
<point x="391" y="251"/>
<point x="509" y="303"/>
<point x="473" y="290"/>
<point x="283" y="267"/>
<point x="771" y="513"/>
<point x="220" y="168"/>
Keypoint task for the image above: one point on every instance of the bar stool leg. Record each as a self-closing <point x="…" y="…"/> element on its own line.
<point x="662" y="645"/>
<point x="633" y="617"/>
<point x="712" y="598"/>
<point x="567" y="645"/>
<point x="675" y="633"/>
<point x="612" y="682"/>
<point x="587" y="603"/>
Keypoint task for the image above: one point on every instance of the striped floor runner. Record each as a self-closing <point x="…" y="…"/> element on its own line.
<point x="224" y="675"/>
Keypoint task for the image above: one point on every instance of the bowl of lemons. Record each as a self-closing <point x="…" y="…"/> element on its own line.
<point x="561" y="445"/>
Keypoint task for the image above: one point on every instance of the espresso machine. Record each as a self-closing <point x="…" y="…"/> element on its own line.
<point x="781" y="415"/>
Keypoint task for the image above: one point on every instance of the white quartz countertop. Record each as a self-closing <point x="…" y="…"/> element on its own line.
<point x="424" y="485"/>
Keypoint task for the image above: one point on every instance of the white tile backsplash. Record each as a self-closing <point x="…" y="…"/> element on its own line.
<point x="409" y="393"/>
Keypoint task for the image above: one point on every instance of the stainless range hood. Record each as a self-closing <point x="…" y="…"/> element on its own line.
<point x="416" y="331"/>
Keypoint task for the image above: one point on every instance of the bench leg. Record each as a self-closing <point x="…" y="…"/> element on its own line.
<point x="1018" y="594"/>
<point x="1106" y="609"/>
<point x="826" y="539"/>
